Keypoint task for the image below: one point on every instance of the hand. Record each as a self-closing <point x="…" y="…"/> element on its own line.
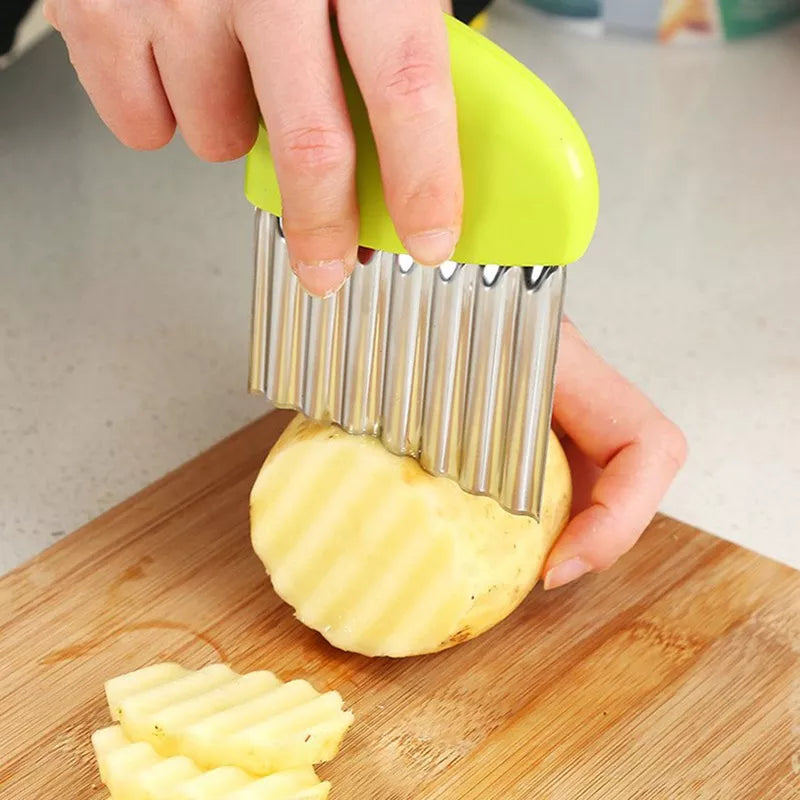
<point x="623" y="453"/>
<point x="210" y="66"/>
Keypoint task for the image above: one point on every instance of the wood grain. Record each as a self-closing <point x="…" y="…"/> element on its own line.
<point x="675" y="675"/>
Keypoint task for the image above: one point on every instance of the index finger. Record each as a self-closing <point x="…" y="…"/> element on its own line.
<point x="290" y="51"/>
<point x="638" y="449"/>
<point x="401" y="61"/>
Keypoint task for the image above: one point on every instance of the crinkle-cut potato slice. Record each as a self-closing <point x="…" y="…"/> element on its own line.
<point x="384" y="559"/>
<point x="134" y="771"/>
<point x="217" y="717"/>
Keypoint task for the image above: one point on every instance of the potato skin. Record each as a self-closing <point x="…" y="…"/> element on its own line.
<point x="478" y="560"/>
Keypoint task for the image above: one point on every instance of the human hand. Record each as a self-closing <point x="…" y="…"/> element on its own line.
<point x="623" y="454"/>
<point x="209" y="67"/>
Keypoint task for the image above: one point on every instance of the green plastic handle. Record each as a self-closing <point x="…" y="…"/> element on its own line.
<point x="530" y="183"/>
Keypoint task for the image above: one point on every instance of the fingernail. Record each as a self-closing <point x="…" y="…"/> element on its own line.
<point x="322" y="278"/>
<point x="432" y="248"/>
<point x="565" y="572"/>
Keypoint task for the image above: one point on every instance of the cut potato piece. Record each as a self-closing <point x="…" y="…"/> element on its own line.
<point x="384" y="559"/>
<point x="134" y="771"/>
<point x="217" y="717"/>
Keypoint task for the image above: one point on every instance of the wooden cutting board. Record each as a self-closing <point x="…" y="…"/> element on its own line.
<point x="674" y="675"/>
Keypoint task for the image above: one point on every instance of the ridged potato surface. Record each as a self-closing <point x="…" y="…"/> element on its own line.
<point x="384" y="559"/>
<point x="219" y="718"/>
<point x="135" y="771"/>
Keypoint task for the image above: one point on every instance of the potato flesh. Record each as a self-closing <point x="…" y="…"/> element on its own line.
<point x="384" y="559"/>
<point x="373" y="603"/>
<point x="134" y="771"/>
<point x="216" y="717"/>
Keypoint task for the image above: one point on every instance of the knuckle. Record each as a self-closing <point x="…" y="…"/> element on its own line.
<point x="412" y="77"/>
<point x="436" y="192"/>
<point x="435" y="202"/>
<point x="94" y="9"/>
<point x="315" y="230"/>
<point x="316" y="150"/>
<point x="81" y="20"/>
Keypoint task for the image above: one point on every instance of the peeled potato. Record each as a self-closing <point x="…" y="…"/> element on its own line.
<point x="219" y="718"/>
<point x="135" y="771"/>
<point x="382" y="558"/>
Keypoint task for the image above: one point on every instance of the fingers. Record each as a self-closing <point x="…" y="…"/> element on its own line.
<point x="401" y="62"/>
<point x="111" y="54"/>
<point x="143" y="65"/>
<point x="205" y="77"/>
<point x="638" y="449"/>
<point x="293" y="65"/>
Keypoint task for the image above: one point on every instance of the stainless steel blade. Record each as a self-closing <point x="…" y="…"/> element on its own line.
<point x="453" y="366"/>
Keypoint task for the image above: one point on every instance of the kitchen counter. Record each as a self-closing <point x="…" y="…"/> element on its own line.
<point x="125" y="280"/>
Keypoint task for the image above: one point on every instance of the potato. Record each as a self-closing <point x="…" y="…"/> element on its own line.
<point x="218" y="718"/>
<point x="134" y="771"/>
<point x="384" y="559"/>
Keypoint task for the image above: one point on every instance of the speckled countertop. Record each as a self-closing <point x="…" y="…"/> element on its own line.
<point x="125" y="280"/>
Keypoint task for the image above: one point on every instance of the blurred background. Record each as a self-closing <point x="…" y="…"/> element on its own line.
<point x="125" y="278"/>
